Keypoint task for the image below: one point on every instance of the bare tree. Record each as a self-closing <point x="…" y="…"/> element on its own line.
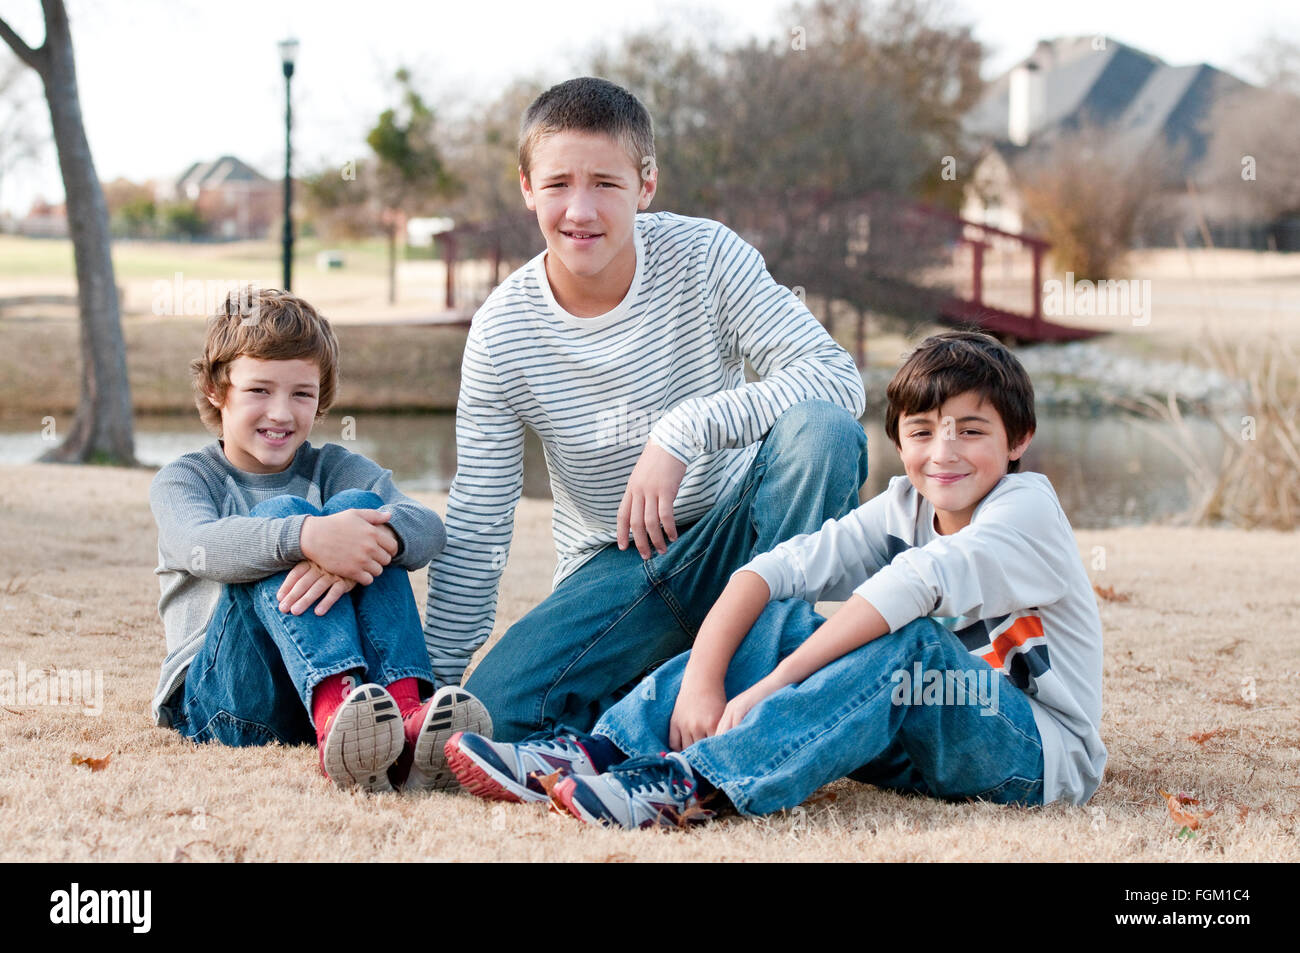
<point x="1090" y="191"/>
<point x="19" y="141"/>
<point x="1249" y="168"/>
<point x="410" y="172"/>
<point x="101" y="432"/>
<point x="816" y="145"/>
<point x="492" y="223"/>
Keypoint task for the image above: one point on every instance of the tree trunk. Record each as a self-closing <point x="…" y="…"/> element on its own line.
<point x="101" y="431"/>
<point x="392" y="262"/>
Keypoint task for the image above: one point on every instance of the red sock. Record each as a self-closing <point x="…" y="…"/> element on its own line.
<point x="327" y="697"/>
<point x="406" y="692"/>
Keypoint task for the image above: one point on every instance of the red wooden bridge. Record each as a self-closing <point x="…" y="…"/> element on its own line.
<point x="992" y="281"/>
<point x="1015" y="308"/>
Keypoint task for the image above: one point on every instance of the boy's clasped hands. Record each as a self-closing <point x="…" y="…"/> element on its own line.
<point x="341" y="550"/>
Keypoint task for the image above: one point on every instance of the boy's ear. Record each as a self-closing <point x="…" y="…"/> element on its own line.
<point x="649" y="175"/>
<point x="1018" y="451"/>
<point x="212" y="399"/>
<point x="526" y="187"/>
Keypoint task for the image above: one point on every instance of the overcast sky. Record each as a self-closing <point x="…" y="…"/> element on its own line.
<point x="167" y="82"/>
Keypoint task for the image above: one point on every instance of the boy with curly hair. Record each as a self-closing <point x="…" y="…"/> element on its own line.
<point x="260" y="526"/>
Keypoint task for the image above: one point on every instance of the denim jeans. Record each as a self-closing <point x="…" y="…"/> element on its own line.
<point x="866" y="710"/>
<point x="252" y="681"/>
<point x="618" y="616"/>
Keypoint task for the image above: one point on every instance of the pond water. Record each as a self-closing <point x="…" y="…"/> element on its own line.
<point x="1108" y="470"/>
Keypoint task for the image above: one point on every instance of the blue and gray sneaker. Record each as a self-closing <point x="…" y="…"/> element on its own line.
<point x="656" y="790"/>
<point x="499" y="771"/>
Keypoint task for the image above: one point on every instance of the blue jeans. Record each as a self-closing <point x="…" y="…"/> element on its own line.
<point x="867" y="710"/>
<point x="618" y="616"/>
<point x="252" y="681"/>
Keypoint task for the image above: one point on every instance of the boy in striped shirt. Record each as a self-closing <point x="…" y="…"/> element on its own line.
<point x="623" y="346"/>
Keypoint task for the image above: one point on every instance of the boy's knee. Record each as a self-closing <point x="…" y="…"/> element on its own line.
<point x="822" y="432"/>
<point x="924" y="635"/>
<point x="286" y="505"/>
<point x="353" y="500"/>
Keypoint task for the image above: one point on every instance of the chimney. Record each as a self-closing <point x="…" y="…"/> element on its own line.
<point x="1025" y="101"/>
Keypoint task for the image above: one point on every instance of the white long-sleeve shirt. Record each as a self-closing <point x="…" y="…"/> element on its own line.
<point x="1010" y="586"/>
<point x="667" y="362"/>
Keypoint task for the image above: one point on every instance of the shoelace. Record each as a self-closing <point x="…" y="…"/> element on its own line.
<point x="641" y="775"/>
<point x="554" y="740"/>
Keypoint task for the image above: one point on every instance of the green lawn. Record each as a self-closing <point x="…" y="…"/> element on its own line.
<point x="36" y="257"/>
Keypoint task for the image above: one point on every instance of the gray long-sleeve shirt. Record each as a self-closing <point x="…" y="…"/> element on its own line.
<point x="206" y="538"/>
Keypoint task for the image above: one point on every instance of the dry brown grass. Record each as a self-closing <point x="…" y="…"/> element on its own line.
<point x="1256" y="482"/>
<point x="1202" y="696"/>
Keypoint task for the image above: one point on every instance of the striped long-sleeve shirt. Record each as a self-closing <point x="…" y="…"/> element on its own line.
<point x="667" y="363"/>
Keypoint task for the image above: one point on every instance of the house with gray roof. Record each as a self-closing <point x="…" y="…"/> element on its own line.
<point x="1073" y="83"/>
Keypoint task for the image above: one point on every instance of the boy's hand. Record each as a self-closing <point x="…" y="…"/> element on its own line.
<point x="696" y="714"/>
<point x="306" y="583"/>
<point x="353" y="544"/>
<point x="739" y="706"/>
<point x="648" y="501"/>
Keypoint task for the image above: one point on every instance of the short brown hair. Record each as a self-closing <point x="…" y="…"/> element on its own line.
<point x="268" y="325"/>
<point x="953" y="363"/>
<point x="588" y="104"/>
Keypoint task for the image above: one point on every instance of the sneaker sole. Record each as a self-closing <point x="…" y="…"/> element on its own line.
<point x="364" y="739"/>
<point x="481" y="780"/>
<point x="452" y="711"/>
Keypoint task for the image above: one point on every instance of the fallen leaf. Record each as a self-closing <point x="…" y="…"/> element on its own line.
<point x="95" y="764"/>
<point x="1201" y="737"/>
<point x="1110" y="595"/>
<point x="828" y="796"/>
<point x="1188" y="819"/>
<point x="694" y="814"/>
<point x="618" y="859"/>
<point x="548" y="782"/>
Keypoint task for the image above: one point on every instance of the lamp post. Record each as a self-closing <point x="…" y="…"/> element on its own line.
<point x="288" y="52"/>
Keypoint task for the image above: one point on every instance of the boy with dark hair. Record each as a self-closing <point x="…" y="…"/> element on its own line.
<point x="965" y="663"/>
<point x="624" y="346"/>
<point x="258" y="527"/>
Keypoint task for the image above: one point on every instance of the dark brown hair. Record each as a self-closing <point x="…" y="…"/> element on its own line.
<point x="953" y="363"/>
<point x="268" y="325"/>
<point x="588" y="104"/>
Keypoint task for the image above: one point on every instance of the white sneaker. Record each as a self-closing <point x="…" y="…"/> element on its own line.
<point x="364" y="737"/>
